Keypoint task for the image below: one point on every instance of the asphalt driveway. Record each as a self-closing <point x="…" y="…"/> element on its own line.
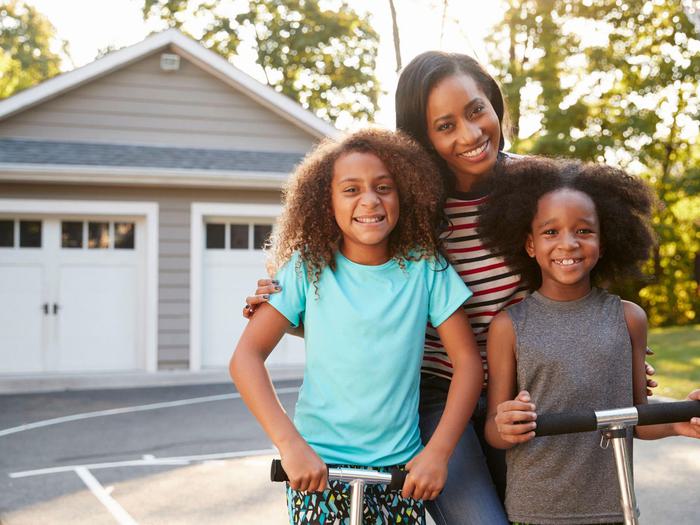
<point x="193" y="454"/>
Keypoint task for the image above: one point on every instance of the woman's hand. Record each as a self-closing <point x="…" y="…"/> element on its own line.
<point x="689" y="428"/>
<point x="650" y="371"/>
<point x="515" y="420"/>
<point x="427" y="474"/>
<point x="305" y="469"/>
<point x="262" y="295"/>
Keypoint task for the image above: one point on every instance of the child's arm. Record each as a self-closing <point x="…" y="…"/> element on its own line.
<point x="428" y="470"/>
<point x="305" y="469"/>
<point x="510" y="419"/>
<point x="636" y="321"/>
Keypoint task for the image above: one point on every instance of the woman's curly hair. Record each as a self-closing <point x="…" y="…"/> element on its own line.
<point x="307" y="224"/>
<point x="623" y="204"/>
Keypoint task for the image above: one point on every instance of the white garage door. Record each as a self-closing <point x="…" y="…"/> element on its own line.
<point x="69" y="298"/>
<point x="233" y="261"/>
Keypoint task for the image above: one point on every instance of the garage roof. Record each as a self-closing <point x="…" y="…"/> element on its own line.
<point x="35" y="152"/>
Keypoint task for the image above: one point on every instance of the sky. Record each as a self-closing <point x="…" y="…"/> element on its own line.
<point x="92" y="25"/>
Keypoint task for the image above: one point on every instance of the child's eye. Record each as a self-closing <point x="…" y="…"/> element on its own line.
<point x="445" y="126"/>
<point x="384" y="188"/>
<point x="550" y="231"/>
<point x="584" y="231"/>
<point x="351" y="189"/>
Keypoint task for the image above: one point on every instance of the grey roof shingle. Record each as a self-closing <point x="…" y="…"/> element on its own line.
<point x="15" y="151"/>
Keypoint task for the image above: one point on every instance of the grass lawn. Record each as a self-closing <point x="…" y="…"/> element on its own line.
<point x="676" y="359"/>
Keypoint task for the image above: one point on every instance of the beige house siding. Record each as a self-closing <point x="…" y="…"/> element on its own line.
<point x="173" y="247"/>
<point x="140" y="104"/>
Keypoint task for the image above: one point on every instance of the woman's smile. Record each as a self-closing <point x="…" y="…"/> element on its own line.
<point x="476" y="154"/>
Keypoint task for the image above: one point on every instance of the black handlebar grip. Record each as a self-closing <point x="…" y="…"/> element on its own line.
<point x="277" y="472"/>
<point x="397" y="479"/>
<point x="565" y="423"/>
<point x="658" y="413"/>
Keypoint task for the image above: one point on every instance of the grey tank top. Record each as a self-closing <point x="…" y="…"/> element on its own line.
<point x="571" y="356"/>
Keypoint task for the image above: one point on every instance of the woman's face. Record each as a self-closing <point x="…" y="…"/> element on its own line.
<point x="463" y="128"/>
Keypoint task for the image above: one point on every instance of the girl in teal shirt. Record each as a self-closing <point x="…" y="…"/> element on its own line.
<point x="357" y="250"/>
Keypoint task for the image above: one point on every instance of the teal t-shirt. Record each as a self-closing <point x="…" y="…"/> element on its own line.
<point x="364" y="333"/>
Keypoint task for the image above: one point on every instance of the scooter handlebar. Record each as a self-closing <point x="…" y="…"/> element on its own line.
<point x="565" y="423"/>
<point x="586" y="421"/>
<point x="658" y="413"/>
<point x="277" y="473"/>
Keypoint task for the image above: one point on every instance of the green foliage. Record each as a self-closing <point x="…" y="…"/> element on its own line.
<point x="676" y="359"/>
<point x="323" y="59"/>
<point x="25" y="54"/>
<point x="616" y="81"/>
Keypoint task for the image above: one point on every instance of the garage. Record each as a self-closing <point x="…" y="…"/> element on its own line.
<point x="227" y="248"/>
<point x="163" y="141"/>
<point x="72" y="294"/>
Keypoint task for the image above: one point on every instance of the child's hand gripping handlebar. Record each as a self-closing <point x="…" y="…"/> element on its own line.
<point x="393" y="479"/>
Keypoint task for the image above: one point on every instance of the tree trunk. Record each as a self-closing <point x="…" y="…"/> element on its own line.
<point x="397" y="40"/>
<point x="444" y="17"/>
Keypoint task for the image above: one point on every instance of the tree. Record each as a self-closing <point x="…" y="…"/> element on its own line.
<point x="323" y="59"/>
<point x="395" y="32"/>
<point x="25" y="48"/>
<point x="627" y="92"/>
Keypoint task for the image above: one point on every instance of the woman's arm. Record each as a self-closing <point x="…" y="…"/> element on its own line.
<point x="305" y="469"/>
<point x="510" y="419"/>
<point x="267" y="287"/>
<point x="428" y="470"/>
<point x="636" y="320"/>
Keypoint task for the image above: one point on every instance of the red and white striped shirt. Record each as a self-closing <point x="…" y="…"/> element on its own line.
<point x="495" y="285"/>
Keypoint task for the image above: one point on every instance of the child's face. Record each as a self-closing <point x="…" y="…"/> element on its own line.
<point x="463" y="126"/>
<point x="366" y="206"/>
<point x="565" y="240"/>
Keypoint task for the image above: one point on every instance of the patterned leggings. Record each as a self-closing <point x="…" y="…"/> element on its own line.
<point x="332" y="506"/>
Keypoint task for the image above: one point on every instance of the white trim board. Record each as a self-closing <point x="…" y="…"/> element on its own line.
<point x="200" y="210"/>
<point x="148" y="210"/>
<point x="135" y="176"/>
<point x="207" y="60"/>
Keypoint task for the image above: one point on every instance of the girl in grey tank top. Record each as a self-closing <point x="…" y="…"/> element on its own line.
<point x="570" y="345"/>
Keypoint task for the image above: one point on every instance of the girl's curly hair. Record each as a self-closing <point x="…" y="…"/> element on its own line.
<point x="307" y="223"/>
<point x="623" y="204"/>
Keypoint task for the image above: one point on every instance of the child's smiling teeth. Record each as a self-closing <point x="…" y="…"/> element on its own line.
<point x="476" y="151"/>
<point x="567" y="262"/>
<point x="369" y="220"/>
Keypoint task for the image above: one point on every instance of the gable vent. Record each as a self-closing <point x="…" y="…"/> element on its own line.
<point x="169" y="62"/>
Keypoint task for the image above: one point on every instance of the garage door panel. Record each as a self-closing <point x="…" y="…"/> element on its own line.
<point x="226" y="284"/>
<point x="21" y="318"/>
<point x="222" y="323"/>
<point x="97" y="318"/>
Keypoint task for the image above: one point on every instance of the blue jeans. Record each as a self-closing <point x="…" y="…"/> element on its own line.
<point x="469" y="496"/>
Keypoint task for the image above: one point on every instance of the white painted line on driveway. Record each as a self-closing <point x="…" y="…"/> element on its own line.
<point x="147" y="461"/>
<point x="119" y="514"/>
<point x="226" y="455"/>
<point x="96" y="466"/>
<point x="127" y="410"/>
